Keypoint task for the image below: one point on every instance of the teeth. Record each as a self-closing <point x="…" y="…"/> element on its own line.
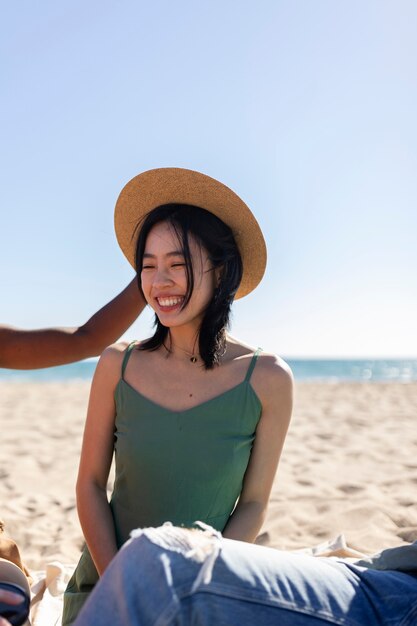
<point x="169" y="301"/>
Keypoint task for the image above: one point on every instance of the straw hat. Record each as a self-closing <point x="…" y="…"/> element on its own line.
<point x="180" y="186"/>
<point x="11" y="573"/>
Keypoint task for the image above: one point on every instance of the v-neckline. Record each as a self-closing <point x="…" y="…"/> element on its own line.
<point x="196" y="406"/>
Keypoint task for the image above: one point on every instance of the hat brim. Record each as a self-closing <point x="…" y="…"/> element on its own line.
<point x="11" y="573"/>
<point x="181" y="186"/>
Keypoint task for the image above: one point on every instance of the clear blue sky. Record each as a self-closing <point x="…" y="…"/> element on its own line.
<point x="306" y="108"/>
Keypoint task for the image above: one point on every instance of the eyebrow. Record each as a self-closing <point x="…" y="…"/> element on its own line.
<point x="146" y="255"/>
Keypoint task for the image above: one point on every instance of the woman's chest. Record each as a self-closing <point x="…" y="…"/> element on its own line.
<point x="180" y="390"/>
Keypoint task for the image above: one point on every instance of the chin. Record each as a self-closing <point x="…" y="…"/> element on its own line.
<point x="168" y="323"/>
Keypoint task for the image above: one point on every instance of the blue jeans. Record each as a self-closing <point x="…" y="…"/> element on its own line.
<point x="176" y="577"/>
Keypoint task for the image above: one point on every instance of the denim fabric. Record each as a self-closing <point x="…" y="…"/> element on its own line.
<point x="152" y="581"/>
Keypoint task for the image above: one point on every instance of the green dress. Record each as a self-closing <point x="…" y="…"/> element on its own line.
<point x="177" y="466"/>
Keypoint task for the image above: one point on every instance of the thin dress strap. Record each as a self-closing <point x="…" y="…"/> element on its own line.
<point x="126" y="357"/>
<point x="252" y="365"/>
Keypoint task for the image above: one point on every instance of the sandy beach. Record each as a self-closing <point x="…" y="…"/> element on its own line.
<point x="349" y="466"/>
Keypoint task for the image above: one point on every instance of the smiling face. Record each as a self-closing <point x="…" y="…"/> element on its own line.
<point x="164" y="277"/>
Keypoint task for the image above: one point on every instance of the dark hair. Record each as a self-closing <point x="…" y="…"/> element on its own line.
<point x="217" y="238"/>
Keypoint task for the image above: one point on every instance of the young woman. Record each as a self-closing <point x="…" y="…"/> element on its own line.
<point x="196" y="419"/>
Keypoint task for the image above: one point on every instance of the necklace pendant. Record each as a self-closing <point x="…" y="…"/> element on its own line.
<point x="193" y="359"/>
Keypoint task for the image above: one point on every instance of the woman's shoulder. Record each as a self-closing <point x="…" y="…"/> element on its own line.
<point x="273" y="383"/>
<point x="274" y="367"/>
<point x="271" y="366"/>
<point x="115" y="350"/>
<point x="114" y="354"/>
<point x="112" y="357"/>
<point x="271" y="375"/>
<point x="272" y="379"/>
<point x="120" y="348"/>
<point x="110" y="364"/>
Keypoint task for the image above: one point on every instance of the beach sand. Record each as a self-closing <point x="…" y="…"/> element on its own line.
<point x="349" y="466"/>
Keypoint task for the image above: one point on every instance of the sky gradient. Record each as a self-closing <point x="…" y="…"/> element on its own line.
<point x="305" y="109"/>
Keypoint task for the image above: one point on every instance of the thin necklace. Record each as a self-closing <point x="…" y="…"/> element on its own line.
<point x="191" y="355"/>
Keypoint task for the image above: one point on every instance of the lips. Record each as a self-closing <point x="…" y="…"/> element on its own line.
<point x="169" y="301"/>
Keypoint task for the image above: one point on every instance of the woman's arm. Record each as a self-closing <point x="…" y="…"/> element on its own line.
<point x="96" y="456"/>
<point x="273" y="384"/>
<point x="30" y="349"/>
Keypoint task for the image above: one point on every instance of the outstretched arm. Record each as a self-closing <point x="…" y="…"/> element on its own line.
<point x="31" y="349"/>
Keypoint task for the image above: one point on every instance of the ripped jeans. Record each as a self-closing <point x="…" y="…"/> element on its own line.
<point x="173" y="576"/>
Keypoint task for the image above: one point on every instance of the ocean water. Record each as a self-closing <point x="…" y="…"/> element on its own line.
<point x="326" y="370"/>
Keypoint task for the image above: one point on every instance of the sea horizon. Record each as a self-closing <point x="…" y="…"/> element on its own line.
<point x="326" y="369"/>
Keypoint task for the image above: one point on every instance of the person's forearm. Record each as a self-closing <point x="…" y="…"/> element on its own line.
<point x="245" y="522"/>
<point x="97" y="524"/>
<point x="31" y="349"/>
<point x="111" y="321"/>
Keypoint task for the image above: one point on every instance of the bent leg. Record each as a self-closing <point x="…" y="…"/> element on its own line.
<point x="275" y="587"/>
<point x="155" y="581"/>
<point x="146" y="582"/>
